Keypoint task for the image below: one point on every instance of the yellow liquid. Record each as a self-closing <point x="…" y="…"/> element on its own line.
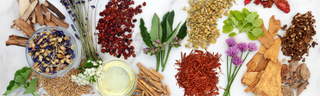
<point x="118" y="79"/>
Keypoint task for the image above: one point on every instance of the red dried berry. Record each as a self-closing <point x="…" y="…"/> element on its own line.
<point x="144" y="4"/>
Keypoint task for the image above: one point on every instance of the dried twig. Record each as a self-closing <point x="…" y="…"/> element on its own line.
<point x="54" y="9"/>
<point x="54" y="18"/>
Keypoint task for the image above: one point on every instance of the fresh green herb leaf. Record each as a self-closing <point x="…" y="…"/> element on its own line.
<point x="239" y="15"/>
<point x="144" y="34"/>
<point x="227" y="28"/>
<point x="19" y="79"/>
<point x="26" y="73"/>
<point x="245" y="12"/>
<point x="231" y="14"/>
<point x="92" y="79"/>
<point x="154" y="32"/>
<point x="251" y="17"/>
<point x="247" y="26"/>
<point x="32" y="87"/>
<point x="251" y="36"/>
<point x="257" y="22"/>
<point x="232" y="34"/>
<point x="164" y="26"/>
<point x="169" y="31"/>
<point x="182" y="31"/>
<point x="12" y="86"/>
<point x="260" y="35"/>
<point x="173" y="34"/>
<point x="227" y="22"/>
<point x="234" y="20"/>
<point x="170" y="20"/>
<point x="81" y="68"/>
<point x="256" y="31"/>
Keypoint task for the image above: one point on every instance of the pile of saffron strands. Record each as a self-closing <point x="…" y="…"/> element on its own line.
<point x="198" y="73"/>
<point x="82" y="14"/>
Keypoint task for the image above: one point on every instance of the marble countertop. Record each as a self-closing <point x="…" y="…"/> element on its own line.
<point x="13" y="58"/>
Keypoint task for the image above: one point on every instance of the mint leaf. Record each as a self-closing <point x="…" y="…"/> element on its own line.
<point x="232" y="34"/>
<point x="154" y="32"/>
<point x="32" y="87"/>
<point x="12" y="86"/>
<point x="251" y="17"/>
<point x="182" y="31"/>
<point x="251" y="37"/>
<point x="170" y="19"/>
<point x="257" y="22"/>
<point x="256" y="31"/>
<point x="260" y="35"/>
<point x="245" y="12"/>
<point x="26" y="73"/>
<point x="234" y="20"/>
<point x="172" y="35"/>
<point x="227" y="28"/>
<point x="164" y="27"/>
<point x="144" y="34"/>
<point x="227" y="21"/>
<point x="239" y="15"/>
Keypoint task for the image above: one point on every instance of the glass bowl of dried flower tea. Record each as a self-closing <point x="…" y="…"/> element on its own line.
<point x="51" y="51"/>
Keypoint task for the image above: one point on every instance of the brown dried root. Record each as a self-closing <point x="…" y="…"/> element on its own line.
<point x="17" y="40"/>
<point x="54" y="18"/>
<point x="25" y="27"/>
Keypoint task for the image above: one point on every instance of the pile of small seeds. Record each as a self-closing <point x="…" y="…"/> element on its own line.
<point x="202" y="21"/>
<point x="115" y="28"/>
<point x="297" y="39"/>
<point x="51" y="52"/>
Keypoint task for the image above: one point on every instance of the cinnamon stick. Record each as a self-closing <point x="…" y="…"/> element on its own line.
<point x="17" y="40"/>
<point x="25" y="27"/>
<point x="54" y="18"/>
<point x="54" y="9"/>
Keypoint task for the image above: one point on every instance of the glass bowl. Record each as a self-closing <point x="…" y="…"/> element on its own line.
<point x="72" y="41"/>
<point x="118" y="78"/>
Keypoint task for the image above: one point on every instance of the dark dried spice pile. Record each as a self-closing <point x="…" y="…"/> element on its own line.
<point x="199" y="73"/>
<point x="295" y="76"/>
<point x="281" y="4"/>
<point x="297" y="39"/>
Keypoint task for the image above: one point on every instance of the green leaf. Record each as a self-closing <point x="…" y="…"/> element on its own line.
<point x="182" y="31"/>
<point x="32" y="87"/>
<point x="260" y="35"/>
<point x="144" y="34"/>
<point x="88" y="64"/>
<point x="251" y="17"/>
<point x="19" y="79"/>
<point x="239" y="15"/>
<point x="232" y="34"/>
<point x="26" y="73"/>
<point x="81" y="68"/>
<point x="231" y="14"/>
<point x="11" y="87"/>
<point x="169" y="31"/>
<point x="92" y="79"/>
<point x="172" y="35"/>
<point x="251" y="37"/>
<point x="154" y="32"/>
<point x="247" y="26"/>
<point x="227" y="21"/>
<point x="164" y="27"/>
<point x="245" y="12"/>
<point x="234" y="20"/>
<point x="257" y="22"/>
<point x="170" y="20"/>
<point x="227" y="28"/>
<point x="256" y="31"/>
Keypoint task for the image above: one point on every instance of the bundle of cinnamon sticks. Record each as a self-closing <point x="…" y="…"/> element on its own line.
<point x="30" y="13"/>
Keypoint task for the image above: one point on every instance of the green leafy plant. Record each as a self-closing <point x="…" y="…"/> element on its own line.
<point x="245" y="21"/>
<point x="90" y="71"/>
<point x="161" y="35"/>
<point x="20" y="81"/>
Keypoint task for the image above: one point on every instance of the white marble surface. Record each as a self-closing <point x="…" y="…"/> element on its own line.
<point x="13" y="58"/>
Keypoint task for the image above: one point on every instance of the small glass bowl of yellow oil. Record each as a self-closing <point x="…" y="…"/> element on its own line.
<point x="118" y="78"/>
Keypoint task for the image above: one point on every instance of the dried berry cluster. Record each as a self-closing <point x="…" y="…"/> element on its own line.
<point x="115" y="28"/>
<point x="296" y="41"/>
<point x="281" y="4"/>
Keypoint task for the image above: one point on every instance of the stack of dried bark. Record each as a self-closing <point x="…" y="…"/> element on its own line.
<point x="30" y="13"/>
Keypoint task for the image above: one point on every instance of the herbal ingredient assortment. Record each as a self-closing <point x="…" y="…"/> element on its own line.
<point x="57" y="67"/>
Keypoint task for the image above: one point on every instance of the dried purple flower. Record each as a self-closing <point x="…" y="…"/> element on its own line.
<point x="158" y="40"/>
<point x="237" y="61"/>
<point x="242" y="47"/>
<point x="232" y="51"/>
<point x="252" y="47"/>
<point x="231" y="42"/>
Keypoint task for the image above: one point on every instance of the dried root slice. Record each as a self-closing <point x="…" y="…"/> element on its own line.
<point x="148" y="87"/>
<point x="267" y="39"/>
<point x="17" y="40"/>
<point x="39" y="15"/>
<point x="168" y="90"/>
<point x="154" y="72"/>
<point x="54" y="18"/>
<point x="273" y="52"/>
<point x="274" y="26"/>
<point x="25" y="27"/>
<point x="28" y="12"/>
<point x="23" y="6"/>
<point x="262" y="64"/>
<point x="252" y="64"/>
<point x="147" y="72"/>
<point x="262" y="49"/>
<point x="54" y="9"/>
<point x="249" y="77"/>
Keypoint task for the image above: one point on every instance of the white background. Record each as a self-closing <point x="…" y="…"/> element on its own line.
<point x="12" y="58"/>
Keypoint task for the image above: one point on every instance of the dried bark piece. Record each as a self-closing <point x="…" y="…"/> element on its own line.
<point x="284" y="71"/>
<point x="25" y="27"/>
<point x="49" y="23"/>
<point x="273" y="52"/>
<point x="274" y="26"/>
<point x="54" y="18"/>
<point x="252" y="64"/>
<point x="33" y="17"/>
<point x="249" y="77"/>
<point x="286" y="91"/>
<point x="154" y="72"/>
<point x="148" y="87"/>
<point x="302" y="87"/>
<point x="157" y="85"/>
<point x="48" y="16"/>
<point x="267" y="39"/>
<point x="304" y="72"/>
<point x="23" y="6"/>
<point x="17" y="40"/>
<point x="39" y="14"/>
<point x="54" y="9"/>
<point x="270" y="81"/>
<point x="262" y="64"/>
<point x="147" y="72"/>
<point x="252" y="85"/>
<point x="262" y="49"/>
<point x="295" y="66"/>
<point x="28" y="12"/>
